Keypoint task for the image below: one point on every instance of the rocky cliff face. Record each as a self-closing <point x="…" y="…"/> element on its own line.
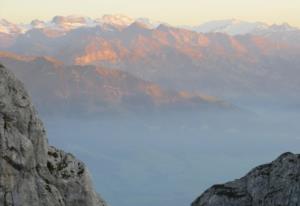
<point x="31" y="172"/>
<point x="276" y="183"/>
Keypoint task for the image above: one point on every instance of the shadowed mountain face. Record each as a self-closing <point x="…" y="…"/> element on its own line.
<point x="57" y="88"/>
<point x="31" y="172"/>
<point x="276" y="183"/>
<point x="263" y="64"/>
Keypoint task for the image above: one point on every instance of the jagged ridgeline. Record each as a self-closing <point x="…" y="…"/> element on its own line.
<point x="276" y="183"/>
<point x="31" y="172"/>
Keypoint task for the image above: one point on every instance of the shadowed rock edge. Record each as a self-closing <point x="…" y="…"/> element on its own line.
<point x="276" y="183"/>
<point x="31" y="172"/>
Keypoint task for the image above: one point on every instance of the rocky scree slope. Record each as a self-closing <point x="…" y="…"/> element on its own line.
<point x="276" y="183"/>
<point x="31" y="172"/>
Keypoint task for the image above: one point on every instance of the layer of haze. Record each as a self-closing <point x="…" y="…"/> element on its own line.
<point x="161" y="160"/>
<point x="173" y="12"/>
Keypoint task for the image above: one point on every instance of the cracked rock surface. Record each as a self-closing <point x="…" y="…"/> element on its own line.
<point x="273" y="184"/>
<point x="31" y="172"/>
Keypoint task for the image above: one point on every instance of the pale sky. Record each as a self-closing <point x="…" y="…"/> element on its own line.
<point x="175" y="12"/>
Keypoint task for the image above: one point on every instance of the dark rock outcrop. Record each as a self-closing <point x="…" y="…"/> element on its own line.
<point x="31" y="172"/>
<point x="273" y="184"/>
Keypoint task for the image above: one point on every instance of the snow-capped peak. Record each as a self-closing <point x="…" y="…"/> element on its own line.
<point x="71" y="22"/>
<point x="37" y="23"/>
<point x="149" y="23"/>
<point x="238" y="27"/>
<point x="230" y="26"/>
<point x="282" y="27"/>
<point x="9" y="28"/>
<point x="118" y="20"/>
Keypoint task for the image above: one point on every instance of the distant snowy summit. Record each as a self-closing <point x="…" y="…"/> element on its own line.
<point x="66" y="23"/>
<point x="238" y="27"/>
<point x="230" y="26"/>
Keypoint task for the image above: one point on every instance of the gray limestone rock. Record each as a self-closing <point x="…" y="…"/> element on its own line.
<point x="273" y="184"/>
<point x="31" y="172"/>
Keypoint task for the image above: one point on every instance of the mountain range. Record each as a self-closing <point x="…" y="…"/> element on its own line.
<point x="239" y="27"/>
<point x="66" y="23"/>
<point x="62" y="24"/>
<point x="62" y="89"/>
<point x="229" y="59"/>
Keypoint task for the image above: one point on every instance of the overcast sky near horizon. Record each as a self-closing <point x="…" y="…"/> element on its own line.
<point x="190" y="12"/>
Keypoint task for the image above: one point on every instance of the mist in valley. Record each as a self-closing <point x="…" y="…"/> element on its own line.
<point x="170" y="158"/>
